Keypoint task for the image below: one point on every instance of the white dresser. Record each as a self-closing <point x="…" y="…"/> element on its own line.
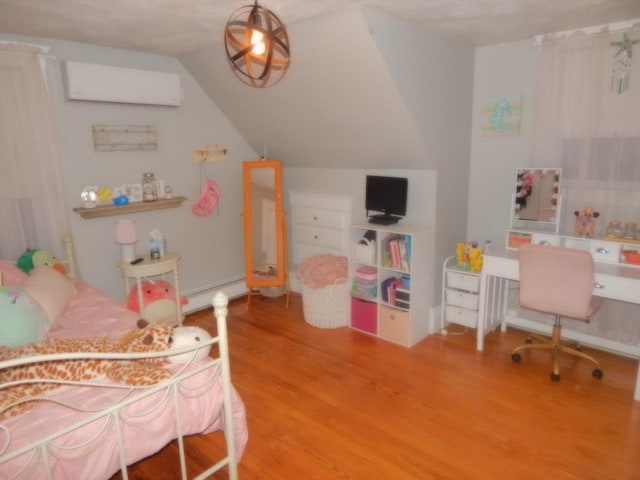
<point x="319" y="224"/>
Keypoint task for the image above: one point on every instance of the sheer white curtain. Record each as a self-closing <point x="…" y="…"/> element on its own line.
<point x="32" y="212"/>
<point x="588" y="128"/>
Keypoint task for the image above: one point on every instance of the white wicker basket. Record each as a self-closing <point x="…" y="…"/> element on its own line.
<point x="326" y="307"/>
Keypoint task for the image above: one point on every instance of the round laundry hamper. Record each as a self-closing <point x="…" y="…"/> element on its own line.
<point x="325" y="290"/>
<point x="326" y="307"/>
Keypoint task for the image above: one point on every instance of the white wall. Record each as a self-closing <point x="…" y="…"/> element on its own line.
<point x="505" y="70"/>
<point x="500" y="70"/>
<point x="211" y="247"/>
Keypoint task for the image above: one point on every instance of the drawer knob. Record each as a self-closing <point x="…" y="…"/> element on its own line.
<point x="603" y="250"/>
<point x="599" y="285"/>
<point x="315" y="217"/>
<point x="545" y="243"/>
<point x="315" y="236"/>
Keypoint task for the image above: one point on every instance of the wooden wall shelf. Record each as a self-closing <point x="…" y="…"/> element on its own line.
<point x="135" y="207"/>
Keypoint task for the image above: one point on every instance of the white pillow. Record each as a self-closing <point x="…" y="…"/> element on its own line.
<point x="51" y="289"/>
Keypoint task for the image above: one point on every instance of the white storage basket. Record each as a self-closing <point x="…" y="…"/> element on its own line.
<point x="364" y="251"/>
<point x="326" y="307"/>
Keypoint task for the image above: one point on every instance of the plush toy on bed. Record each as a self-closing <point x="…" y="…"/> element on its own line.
<point x="148" y="338"/>
<point x="34" y="258"/>
<point x="22" y="319"/>
<point x="159" y="300"/>
<point x="187" y="336"/>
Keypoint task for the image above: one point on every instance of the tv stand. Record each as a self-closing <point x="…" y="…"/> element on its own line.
<point x="383" y="219"/>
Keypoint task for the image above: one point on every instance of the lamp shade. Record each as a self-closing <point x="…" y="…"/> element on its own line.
<point x="257" y="45"/>
<point x="126" y="232"/>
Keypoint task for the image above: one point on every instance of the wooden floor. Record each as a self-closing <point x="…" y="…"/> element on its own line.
<point x="337" y="404"/>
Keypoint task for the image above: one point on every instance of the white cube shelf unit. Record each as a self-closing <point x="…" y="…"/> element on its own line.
<point x="389" y="274"/>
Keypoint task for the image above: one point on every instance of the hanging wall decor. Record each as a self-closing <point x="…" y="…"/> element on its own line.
<point x="622" y="64"/>
<point x="114" y="138"/>
<point x="501" y="116"/>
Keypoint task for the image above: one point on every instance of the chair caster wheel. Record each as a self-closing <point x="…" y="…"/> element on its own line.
<point x="515" y="357"/>
<point x="597" y="373"/>
<point x="555" y="377"/>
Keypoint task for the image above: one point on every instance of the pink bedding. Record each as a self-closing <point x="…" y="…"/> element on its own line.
<point x="147" y="425"/>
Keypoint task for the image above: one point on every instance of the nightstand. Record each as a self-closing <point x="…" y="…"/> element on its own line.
<point x="460" y="295"/>
<point x="153" y="268"/>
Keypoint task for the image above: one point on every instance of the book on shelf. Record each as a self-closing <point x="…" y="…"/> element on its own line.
<point x="402" y="304"/>
<point x="403" y="294"/>
<point x="397" y="252"/>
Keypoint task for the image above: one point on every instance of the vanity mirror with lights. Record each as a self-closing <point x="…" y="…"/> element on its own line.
<point x="535" y="218"/>
<point x="264" y="230"/>
<point x="536" y="199"/>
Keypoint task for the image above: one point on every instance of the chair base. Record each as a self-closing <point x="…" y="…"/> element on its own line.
<point x="557" y="348"/>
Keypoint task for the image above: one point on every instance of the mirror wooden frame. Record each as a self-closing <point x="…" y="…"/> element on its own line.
<point x="271" y="278"/>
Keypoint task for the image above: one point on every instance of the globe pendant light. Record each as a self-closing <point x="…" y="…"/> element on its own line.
<point x="257" y="45"/>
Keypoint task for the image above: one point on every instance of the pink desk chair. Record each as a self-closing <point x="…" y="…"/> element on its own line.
<point x="558" y="281"/>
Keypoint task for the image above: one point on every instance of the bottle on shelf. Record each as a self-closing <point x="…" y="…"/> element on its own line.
<point x="149" y="187"/>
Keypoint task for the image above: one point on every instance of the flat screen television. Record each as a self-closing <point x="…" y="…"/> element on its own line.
<point x="388" y="197"/>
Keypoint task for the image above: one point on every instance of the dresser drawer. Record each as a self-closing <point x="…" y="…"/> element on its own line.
<point x="461" y="316"/>
<point x="462" y="299"/>
<point x="604" y="251"/>
<point x="393" y="325"/>
<point x="463" y="281"/>
<point x="321" y="217"/>
<point x="321" y="237"/>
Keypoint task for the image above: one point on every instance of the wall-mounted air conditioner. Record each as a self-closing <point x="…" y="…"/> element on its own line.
<point x="104" y="83"/>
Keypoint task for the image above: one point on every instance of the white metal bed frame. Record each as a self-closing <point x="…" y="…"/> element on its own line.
<point x="40" y="447"/>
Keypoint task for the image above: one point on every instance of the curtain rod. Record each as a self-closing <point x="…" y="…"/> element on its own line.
<point x="611" y="27"/>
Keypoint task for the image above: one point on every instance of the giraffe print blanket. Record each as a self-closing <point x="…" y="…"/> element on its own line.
<point x="143" y="372"/>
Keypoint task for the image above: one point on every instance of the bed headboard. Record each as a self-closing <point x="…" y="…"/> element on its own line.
<point x="70" y="259"/>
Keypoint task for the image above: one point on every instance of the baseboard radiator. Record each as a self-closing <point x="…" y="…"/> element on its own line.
<point x="201" y="298"/>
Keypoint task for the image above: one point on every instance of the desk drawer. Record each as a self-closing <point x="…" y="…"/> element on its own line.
<point x="604" y="251"/>
<point x="463" y="281"/>
<point x="546" y="239"/>
<point x="617" y="288"/>
<point x="461" y="316"/>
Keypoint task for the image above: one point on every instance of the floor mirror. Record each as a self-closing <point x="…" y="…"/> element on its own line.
<point x="265" y="237"/>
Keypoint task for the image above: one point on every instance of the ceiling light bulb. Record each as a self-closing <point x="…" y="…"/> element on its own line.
<point x="257" y="42"/>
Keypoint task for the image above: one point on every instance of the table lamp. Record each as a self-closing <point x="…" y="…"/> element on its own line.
<point x="126" y="237"/>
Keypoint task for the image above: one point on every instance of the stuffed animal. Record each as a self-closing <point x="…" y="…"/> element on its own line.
<point x="148" y="338"/>
<point x="158" y="300"/>
<point x="22" y="320"/>
<point x="586" y="221"/>
<point x="34" y="258"/>
<point x="186" y="336"/>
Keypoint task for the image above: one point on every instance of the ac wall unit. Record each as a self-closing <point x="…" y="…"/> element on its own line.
<point x="104" y="83"/>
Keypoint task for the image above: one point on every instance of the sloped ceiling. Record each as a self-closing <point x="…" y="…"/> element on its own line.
<point x="336" y="107"/>
<point x="176" y="27"/>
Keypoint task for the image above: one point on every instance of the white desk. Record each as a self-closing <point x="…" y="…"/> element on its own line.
<point x="613" y="281"/>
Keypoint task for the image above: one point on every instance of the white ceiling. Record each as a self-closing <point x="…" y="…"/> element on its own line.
<point x="175" y="27"/>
